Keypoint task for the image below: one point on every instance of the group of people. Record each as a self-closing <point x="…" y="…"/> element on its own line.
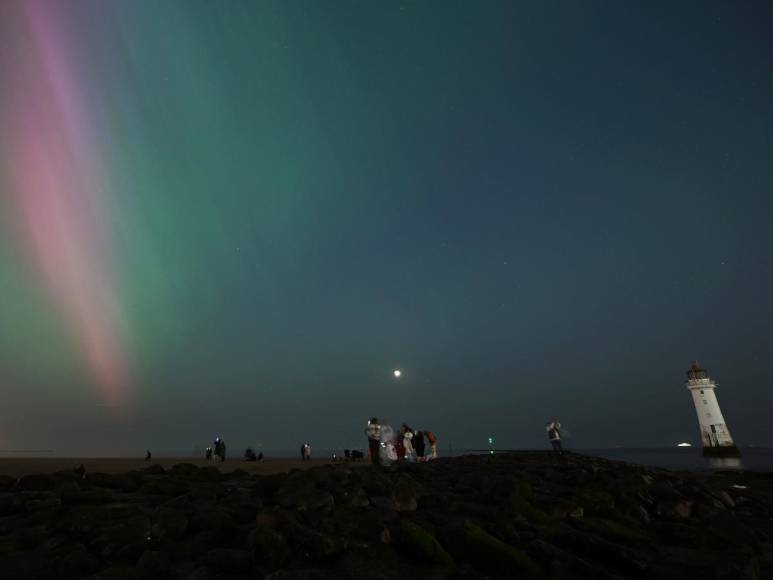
<point x="217" y="452"/>
<point x="249" y="455"/>
<point x="353" y="455"/>
<point x="385" y="446"/>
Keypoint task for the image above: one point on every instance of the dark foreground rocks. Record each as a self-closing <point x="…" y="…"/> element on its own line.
<point x="521" y="515"/>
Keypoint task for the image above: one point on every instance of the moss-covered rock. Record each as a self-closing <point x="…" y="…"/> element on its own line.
<point x="420" y="542"/>
<point x="520" y="504"/>
<point x="596" y="501"/>
<point x="490" y="553"/>
<point x="613" y="530"/>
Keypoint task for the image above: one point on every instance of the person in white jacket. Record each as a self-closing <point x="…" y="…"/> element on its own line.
<point x="408" y="442"/>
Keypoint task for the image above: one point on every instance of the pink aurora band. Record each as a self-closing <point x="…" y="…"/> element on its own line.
<point x="60" y="190"/>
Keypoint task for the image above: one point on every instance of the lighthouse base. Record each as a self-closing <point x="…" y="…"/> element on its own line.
<point x="723" y="451"/>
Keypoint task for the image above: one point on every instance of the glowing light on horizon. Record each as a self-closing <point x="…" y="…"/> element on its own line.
<point x="397" y="373"/>
<point x="60" y="191"/>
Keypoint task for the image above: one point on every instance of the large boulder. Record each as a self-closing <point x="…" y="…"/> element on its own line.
<point x="153" y="565"/>
<point x="675" y="510"/>
<point x="10" y="504"/>
<point x="404" y="495"/>
<point x="422" y="543"/>
<point x="170" y="523"/>
<point x="213" y="519"/>
<point x="36" y="482"/>
<point x="122" y="482"/>
<point x="164" y="486"/>
<point x="270" y="549"/>
<point x="154" y="469"/>
<point x="473" y="544"/>
<point x="227" y="560"/>
<point x="78" y="563"/>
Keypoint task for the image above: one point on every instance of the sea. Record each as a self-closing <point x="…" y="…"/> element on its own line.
<point x="689" y="458"/>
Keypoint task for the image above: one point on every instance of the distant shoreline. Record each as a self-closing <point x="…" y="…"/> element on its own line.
<point x="20" y="466"/>
<point x="25" y="462"/>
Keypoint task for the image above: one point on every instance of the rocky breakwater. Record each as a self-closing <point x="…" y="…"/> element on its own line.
<point x="520" y="515"/>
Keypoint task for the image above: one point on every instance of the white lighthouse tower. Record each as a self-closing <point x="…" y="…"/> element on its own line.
<point x="715" y="435"/>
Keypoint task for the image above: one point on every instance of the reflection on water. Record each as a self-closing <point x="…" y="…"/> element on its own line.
<point x="753" y="459"/>
<point x="725" y="462"/>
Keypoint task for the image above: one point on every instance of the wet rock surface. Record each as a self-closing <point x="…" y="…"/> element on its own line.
<point x="519" y="515"/>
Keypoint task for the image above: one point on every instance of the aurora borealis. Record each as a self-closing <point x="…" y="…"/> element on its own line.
<point x="62" y="197"/>
<point x="238" y="218"/>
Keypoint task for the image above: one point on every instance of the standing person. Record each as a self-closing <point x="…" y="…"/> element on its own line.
<point x="219" y="455"/>
<point x="303" y="452"/>
<point x="373" y="432"/>
<point x="308" y="451"/>
<point x="399" y="446"/>
<point x="432" y="444"/>
<point x="407" y="442"/>
<point x="147" y="455"/>
<point x="554" y="434"/>
<point x="418" y="445"/>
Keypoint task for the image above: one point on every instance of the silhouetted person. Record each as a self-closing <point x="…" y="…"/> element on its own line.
<point x="260" y="456"/>
<point x="374" y="440"/>
<point x="208" y="453"/>
<point x="418" y="445"/>
<point x="554" y="434"/>
<point x="303" y="452"/>
<point x="432" y="440"/>
<point x="220" y="449"/>
<point x="147" y="455"/>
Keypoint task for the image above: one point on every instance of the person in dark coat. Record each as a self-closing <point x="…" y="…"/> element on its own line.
<point x="553" y="429"/>
<point x="418" y="445"/>
<point x="220" y="449"/>
<point x="373" y="432"/>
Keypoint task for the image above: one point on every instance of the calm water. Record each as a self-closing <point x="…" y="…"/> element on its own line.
<point x="754" y="459"/>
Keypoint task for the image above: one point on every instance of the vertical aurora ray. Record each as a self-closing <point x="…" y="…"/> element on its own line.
<point x="56" y="183"/>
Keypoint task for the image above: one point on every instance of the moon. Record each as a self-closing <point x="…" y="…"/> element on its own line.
<point x="397" y="373"/>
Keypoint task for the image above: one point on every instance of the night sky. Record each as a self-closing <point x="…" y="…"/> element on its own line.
<point x="237" y="218"/>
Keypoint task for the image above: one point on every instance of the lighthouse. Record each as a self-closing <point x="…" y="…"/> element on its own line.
<point x="715" y="435"/>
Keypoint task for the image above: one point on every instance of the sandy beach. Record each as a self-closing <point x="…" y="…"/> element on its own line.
<point x="17" y="467"/>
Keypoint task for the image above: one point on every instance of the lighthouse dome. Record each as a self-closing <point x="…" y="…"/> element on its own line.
<point x="696" y="372"/>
